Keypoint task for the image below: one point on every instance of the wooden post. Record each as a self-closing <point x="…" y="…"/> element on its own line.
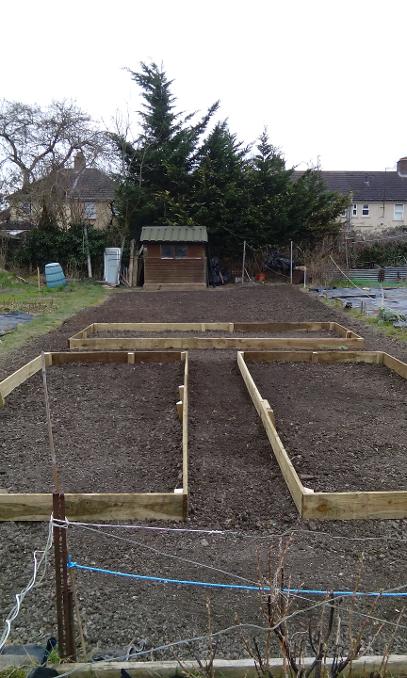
<point x="38" y="278"/>
<point x="64" y="596"/>
<point x="86" y="238"/>
<point x="131" y="263"/>
<point x="243" y="260"/>
<point x="291" y="262"/>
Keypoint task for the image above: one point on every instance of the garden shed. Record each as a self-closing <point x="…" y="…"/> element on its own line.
<point x="174" y="257"/>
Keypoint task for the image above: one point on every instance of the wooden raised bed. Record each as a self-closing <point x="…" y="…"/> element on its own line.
<point x="324" y="505"/>
<point x="103" y="506"/>
<point x="87" y="338"/>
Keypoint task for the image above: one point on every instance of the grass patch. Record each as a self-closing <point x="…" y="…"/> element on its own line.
<point x="360" y="282"/>
<point x="15" y="672"/>
<point x="382" y="327"/>
<point x="50" y="307"/>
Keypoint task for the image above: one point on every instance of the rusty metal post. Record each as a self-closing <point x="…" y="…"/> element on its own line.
<point x="64" y="595"/>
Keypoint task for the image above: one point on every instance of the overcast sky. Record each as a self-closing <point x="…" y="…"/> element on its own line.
<point x="327" y="77"/>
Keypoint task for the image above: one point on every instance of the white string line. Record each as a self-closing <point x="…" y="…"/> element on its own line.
<point x="347" y="277"/>
<point x="32" y="582"/>
<point x="362" y="614"/>
<point x="312" y="533"/>
<point x="204" y="565"/>
<point x="168" y="555"/>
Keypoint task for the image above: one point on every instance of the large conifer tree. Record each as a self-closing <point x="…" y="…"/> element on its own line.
<point x="173" y="174"/>
<point x="157" y="185"/>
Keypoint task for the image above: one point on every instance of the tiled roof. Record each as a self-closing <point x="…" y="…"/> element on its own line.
<point x="369" y="186"/>
<point x="89" y="184"/>
<point x="174" y="233"/>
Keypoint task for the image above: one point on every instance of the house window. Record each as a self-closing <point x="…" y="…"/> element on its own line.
<point x="355" y="210"/>
<point x="174" y="251"/>
<point x="344" y="214"/>
<point x="89" y="209"/>
<point x="365" y="211"/>
<point x="399" y="211"/>
<point x="26" y="208"/>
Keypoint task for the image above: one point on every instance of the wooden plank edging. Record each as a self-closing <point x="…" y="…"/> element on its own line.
<point x="185" y="424"/>
<point x="267" y="416"/>
<point x="205" y="343"/>
<point x="345" y="338"/>
<point x="104" y="506"/>
<point x="396" y="665"/>
<point x="88" y="506"/>
<point x="354" y="505"/>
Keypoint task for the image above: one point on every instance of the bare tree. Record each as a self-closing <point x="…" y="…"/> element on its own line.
<point x="37" y="142"/>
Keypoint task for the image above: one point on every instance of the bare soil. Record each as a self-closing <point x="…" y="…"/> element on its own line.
<point x="353" y="430"/>
<point x="235" y="484"/>
<point x="114" y="426"/>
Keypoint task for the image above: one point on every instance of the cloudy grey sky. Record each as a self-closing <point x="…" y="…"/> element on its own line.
<point x="327" y="77"/>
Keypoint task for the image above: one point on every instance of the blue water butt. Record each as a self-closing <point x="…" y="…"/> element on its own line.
<point x="54" y="275"/>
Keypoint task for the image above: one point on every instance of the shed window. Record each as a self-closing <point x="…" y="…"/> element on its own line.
<point x="399" y="211"/>
<point x="180" y="251"/>
<point x="174" y="251"/>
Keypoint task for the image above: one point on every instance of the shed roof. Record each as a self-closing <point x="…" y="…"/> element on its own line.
<point x="174" y="234"/>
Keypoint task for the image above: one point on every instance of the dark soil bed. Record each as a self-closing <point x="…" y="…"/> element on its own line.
<point x="115" y="428"/>
<point x="343" y="426"/>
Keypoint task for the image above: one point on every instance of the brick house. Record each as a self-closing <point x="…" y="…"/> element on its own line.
<point x="79" y="193"/>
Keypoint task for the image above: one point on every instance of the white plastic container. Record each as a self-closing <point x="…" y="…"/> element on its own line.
<point x="112" y="262"/>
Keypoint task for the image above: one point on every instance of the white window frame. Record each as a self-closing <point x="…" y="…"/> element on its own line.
<point x="355" y="209"/>
<point x="399" y="216"/>
<point x="365" y="210"/>
<point x="89" y="210"/>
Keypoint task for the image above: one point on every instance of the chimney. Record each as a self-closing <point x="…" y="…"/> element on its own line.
<point x="402" y="167"/>
<point x="79" y="162"/>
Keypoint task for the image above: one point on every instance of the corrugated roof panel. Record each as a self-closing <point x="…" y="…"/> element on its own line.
<point x="174" y="234"/>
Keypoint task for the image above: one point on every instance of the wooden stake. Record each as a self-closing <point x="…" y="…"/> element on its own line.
<point x="131" y="263"/>
<point x="38" y="278"/>
<point x="56" y="476"/>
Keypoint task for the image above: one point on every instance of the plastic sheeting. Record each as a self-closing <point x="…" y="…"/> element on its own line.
<point x="9" y="321"/>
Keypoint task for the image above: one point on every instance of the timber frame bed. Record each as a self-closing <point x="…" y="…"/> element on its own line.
<point x="103" y="506"/>
<point x="323" y="505"/>
<point x="89" y="337"/>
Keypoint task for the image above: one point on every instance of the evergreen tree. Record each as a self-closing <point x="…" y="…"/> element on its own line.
<point x="173" y="175"/>
<point x="270" y="187"/>
<point x="157" y="186"/>
<point x="220" y="191"/>
<point x="313" y="210"/>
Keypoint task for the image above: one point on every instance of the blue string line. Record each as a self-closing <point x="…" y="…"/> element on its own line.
<point x="240" y="587"/>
